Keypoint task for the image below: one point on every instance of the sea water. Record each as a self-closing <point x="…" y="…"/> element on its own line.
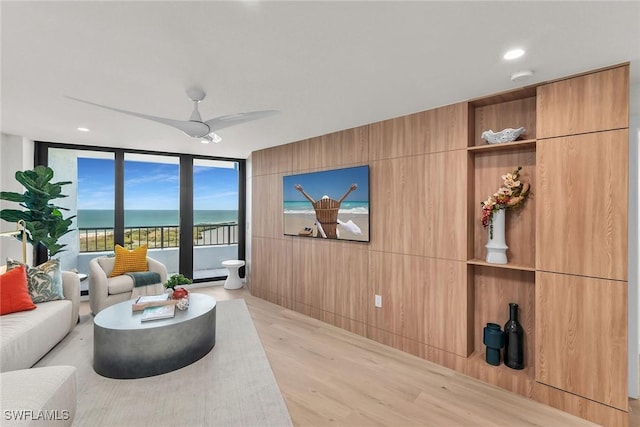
<point x="345" y="207"/>
<point x="94" y="218"/>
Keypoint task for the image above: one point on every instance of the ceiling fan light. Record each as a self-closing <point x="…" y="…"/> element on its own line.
<point x="215" y="137"/>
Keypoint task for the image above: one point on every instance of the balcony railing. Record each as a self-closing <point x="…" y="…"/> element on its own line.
<point x="157" y="237"/>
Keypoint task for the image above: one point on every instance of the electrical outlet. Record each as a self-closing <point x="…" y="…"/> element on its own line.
<point x="378" y="301"/>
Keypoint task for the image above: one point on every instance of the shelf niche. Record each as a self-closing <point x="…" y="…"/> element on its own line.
<point x="495" y="285"/>
<point x="494" y="290"/>
<point x="520" y="228"/>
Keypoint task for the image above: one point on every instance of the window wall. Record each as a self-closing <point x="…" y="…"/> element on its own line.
<point x="186" y="209"/>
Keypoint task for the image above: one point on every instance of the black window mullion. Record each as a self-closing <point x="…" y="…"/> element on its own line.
<point x="186" y="215"/>
<point x="118" y="224"/>
<point x="242" y="182"/>
<point x="40" y="158"/>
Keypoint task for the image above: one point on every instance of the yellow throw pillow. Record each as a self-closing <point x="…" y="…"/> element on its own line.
<point x="129" y="261"/>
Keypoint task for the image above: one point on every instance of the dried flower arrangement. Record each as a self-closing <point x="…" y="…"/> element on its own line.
<point x="511" y="195"/>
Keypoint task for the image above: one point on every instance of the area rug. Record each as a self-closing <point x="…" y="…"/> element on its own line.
<point x="233" y="385"/>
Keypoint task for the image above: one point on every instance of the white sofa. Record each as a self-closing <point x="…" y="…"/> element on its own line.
<point x="39" y="396"/>
<point x="25" y="337"/>
<point x="105" y="291"/>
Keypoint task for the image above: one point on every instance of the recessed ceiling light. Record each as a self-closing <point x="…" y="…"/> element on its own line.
<point x="513" y="54"/>
<point x="81" y="129"/>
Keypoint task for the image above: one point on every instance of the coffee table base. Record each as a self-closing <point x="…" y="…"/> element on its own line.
<point x="139" y="353"/>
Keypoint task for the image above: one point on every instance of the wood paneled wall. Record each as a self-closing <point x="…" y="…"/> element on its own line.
<point x="583" y="336"/>
<point x="602" y="101"/>
<point x="581" y="261"/>
<point x="427" y="178"/>
<point x="417" y="167"/>
<point x="584" y="172"/>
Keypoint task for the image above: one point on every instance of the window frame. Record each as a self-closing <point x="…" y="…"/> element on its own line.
<point x="41" y="157"/>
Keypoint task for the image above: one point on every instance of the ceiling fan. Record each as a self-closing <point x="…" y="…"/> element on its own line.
<point x="195" y="127"/>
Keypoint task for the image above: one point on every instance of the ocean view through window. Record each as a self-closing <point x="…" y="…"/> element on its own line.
<point x="155" y="228"/>
<point x="185" y="208"/>
<point x="215" y="208"/>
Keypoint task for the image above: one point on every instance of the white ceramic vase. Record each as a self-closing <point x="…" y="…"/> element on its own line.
<point x="496" y="245"/>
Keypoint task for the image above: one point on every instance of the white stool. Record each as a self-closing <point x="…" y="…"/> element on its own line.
<point x="233" y="279"/>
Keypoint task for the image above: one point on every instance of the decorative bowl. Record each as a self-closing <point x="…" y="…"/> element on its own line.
<point x="505" y="135"/>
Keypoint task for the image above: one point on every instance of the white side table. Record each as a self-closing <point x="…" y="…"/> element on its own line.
<point x="233" y="279"/>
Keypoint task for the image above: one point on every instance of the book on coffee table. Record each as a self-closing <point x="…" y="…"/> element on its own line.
<point x="151" y="301"/>
<point x="158" y="312"/>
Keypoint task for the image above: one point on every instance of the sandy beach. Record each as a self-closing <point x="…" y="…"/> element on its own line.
<point x="294" y="222"/>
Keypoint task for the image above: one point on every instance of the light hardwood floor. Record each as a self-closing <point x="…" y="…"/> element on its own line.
<point x="329" y="376"/>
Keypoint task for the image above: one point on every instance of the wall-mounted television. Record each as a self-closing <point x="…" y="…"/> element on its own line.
<point x="332" y="204"/>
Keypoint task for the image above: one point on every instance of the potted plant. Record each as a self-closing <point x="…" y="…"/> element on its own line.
<point x="178" y="280"/>
<point x="44" y="221"/>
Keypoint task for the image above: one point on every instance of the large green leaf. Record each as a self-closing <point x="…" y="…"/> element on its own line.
<point x="13" y="215"/>
<point x="11" y="196"/>
<point x="61" y="183"/>
<point x="53" y="191"/>
<point x="31" y="182"/>
<point x="37" y="231"/>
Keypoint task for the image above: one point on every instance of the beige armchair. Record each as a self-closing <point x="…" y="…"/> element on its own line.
<point x="105" y="291"/>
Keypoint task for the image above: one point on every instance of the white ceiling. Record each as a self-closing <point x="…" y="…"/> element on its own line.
<point x="326" y="66"/>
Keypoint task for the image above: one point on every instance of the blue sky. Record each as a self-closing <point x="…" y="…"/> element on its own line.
<point x="333" y="183"/>
<point x="154" y="186"/>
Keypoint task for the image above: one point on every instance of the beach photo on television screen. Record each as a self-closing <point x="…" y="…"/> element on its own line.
<point x="332" y="204"/>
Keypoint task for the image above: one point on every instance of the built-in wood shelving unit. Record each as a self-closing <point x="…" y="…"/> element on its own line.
<point x="496" y="285"/>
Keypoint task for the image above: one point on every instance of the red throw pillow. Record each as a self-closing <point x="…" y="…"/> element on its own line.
<point x="14" y="294"/>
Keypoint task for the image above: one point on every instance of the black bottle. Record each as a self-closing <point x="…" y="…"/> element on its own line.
<point x="513" y="340"/>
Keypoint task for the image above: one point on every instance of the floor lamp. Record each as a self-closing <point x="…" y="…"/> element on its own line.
<point x="21" y="227"/>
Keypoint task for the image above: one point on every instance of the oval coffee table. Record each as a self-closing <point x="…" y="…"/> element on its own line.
<point x="125" y="347"/>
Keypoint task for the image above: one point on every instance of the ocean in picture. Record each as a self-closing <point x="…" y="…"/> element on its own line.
<point x="355" y="208"/>
<point x="97" y="218"/>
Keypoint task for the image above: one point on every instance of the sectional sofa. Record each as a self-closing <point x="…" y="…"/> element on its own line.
<point x="25" y="337"/>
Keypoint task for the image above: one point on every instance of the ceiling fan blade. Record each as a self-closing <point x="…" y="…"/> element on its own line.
<point x="235" y="119"/>
<point x="191" y="128"/>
